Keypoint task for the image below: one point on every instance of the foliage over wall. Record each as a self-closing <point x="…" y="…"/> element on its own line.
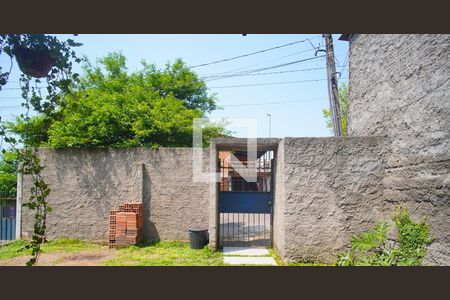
<point x="111" y="107"/>
<point x="8" y="174"/>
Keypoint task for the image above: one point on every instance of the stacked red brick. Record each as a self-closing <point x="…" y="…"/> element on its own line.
<point x="125" y="225"/>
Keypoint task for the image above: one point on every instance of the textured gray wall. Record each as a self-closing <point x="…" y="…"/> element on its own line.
<point x="332" y="189"/>
<point x="87" y="183"/>
<point x="325" y="190"/>
<point x="213" y="200"/>
<point x="279" y="200"/>
<point x="400" y="88"/>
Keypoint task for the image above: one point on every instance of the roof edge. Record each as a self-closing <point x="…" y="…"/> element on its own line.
<point x="345" y="37"/>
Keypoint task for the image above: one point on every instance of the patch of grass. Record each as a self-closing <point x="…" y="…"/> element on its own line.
<point x="275" y="256"/>
<point x="280" y="262"/>
<point x="10" y="250"/>
<point x="64" y="245"/>
<point x="69" y="245"/>
<point x="165" y="253"/>
<point x="308" y="264"/>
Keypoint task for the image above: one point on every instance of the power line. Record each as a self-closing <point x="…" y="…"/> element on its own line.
<point x="267" y="83"/>
<point x="336" y="60"/>
<point x="344" y="65"/>
<point x="273" y="103"/>
<point x="10" y="108"/>
<point x="272" y="67"/>
<point x="231" y="105"/>
<point x="39" y="88"/>
<point x="249" y="54"/>
<point x="10" y="99"/>
<point x="261" y="63"/>
<point x="241" y="73"/>
<point x="266" y="73"/>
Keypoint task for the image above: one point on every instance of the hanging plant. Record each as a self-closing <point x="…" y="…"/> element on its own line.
<point x="34" y="62"/>
<point x="37" y="55"/>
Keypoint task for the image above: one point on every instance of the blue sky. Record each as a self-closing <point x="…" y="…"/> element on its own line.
<point x="301" y="116"/>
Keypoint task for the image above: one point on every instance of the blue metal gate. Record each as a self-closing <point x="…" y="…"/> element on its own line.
<point x="7" y="219"/>
<point x="245" y="208"/>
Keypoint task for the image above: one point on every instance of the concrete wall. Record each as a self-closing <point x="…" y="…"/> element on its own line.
<point x="332" y="189"/>
<point x="400" y="88"/>
<point x="279" y="200"/>
<point x="213" y="200"/>
<point x="87" y="183"/>
<point x="326" y="189"/>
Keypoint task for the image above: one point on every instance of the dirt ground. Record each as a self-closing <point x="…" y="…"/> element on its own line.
<point x="84" y="258"/>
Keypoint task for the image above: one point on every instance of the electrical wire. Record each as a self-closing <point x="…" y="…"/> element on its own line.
<point x="269" y="67"/>
<point x="258" y="64"/>
<point x="250" y="54"/>
<point x="3" y="98"/>
<point x="273" y="103"/>
<point x="14" y="106"/>
<point x="266" y="83"/>
<point x="267" y="73"/>
<point x="344" y="65"/>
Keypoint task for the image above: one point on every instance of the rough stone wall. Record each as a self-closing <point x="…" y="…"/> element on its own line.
<point x="87" y="183"/>
<point x="400" y="88"/>
<point x="213" y="200"/>
<point x="332" y="189"/>
<point x="278" y="207"/>
<point x="326" y="189"/>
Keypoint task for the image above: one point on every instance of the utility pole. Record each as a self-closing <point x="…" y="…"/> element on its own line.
<point x="332" y="86"/>
<point x="270" y="125"/>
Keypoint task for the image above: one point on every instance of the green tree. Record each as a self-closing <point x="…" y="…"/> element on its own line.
<point x="343" y="105"/>
<point x="111" y="107"/>
<point x="8" y="174"/>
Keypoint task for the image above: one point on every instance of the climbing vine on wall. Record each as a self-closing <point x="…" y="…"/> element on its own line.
<point x="46" y="66"/>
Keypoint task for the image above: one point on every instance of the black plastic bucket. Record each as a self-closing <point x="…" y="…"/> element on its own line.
<point x="198" y="237"/>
